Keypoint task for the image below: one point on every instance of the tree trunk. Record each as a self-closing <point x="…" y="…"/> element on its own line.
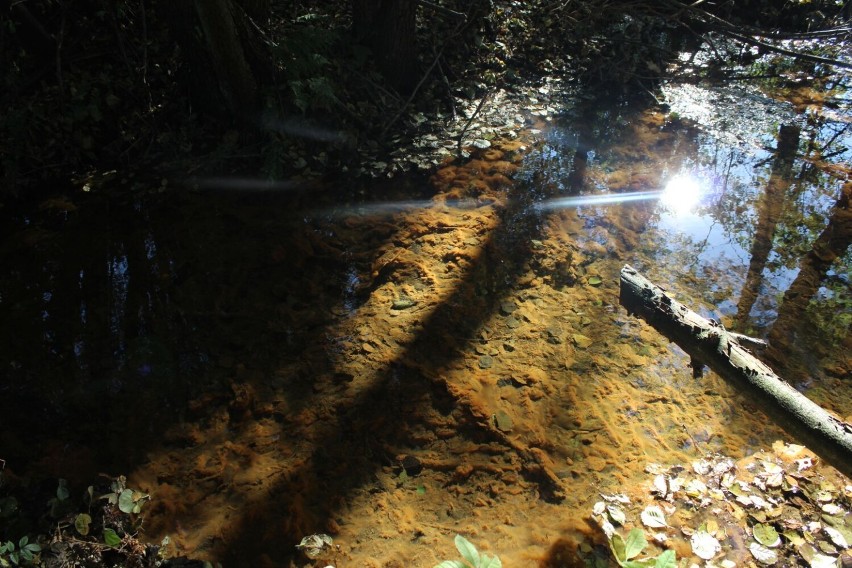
<point x="388" y="28"/>
<point x="709" y="343"/>
<point x="235" y="78"/>
<point x="770" y="207"/>
<point x="257" y="10"/>
<point x="831" y="244"/>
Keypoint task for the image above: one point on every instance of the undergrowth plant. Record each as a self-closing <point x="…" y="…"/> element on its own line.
<point x="472" y="558"/>
<point x="627" y="550"/>
<point x="24" y="554"/>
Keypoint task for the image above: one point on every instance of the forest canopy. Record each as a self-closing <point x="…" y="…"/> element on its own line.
<point x="92" y="87"/>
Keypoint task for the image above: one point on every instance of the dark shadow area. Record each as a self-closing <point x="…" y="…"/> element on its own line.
<point x="364" y="436"/>
<point x="563" y="554"/>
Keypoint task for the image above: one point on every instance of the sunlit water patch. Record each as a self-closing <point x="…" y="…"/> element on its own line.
<point x="760" y="201"/>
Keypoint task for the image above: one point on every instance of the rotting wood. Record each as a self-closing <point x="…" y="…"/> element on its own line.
<point x="709" y="343"/>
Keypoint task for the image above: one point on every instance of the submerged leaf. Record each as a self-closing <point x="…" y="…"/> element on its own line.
<point x="704" y="545"/>
<point x="695" y="488"/>
<point x="660" y="485"/>
<point x="822" y="561"/>
<point x="315" y="544"/>
<point x="762" y="554"/>
<point x="836" y="537"/>
<point x="653" y="517"/>
<point x="616" y="514"/>
<point x="82" y="522"/>
<point x="766" y="535"/>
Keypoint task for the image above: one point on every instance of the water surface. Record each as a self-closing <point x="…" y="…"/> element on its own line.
<point x="446" y="356"/>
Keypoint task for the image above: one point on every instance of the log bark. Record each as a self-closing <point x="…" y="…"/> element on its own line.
<point x="708" y="343"/>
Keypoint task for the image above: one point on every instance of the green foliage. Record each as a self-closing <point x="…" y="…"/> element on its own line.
<point x="129" y="501"/>
<point x="68" y="109"/>
<point x="626" y="551"/>
<point x="82" y="522"/>
<point x="60" y="504"/>
<point x="111" y="537"/>
<point x="98" y="521"/>
<point x="24" y="554"/>
<point x="831" y="311"/>
<point x="304" y="58"/>
<point x="472" y="558"/>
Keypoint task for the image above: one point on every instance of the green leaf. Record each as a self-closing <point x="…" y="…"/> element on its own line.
<point x="644" y="563"/>
<point x="62" y="491"/>
<point x="82" y="522"/>
<point x="595" y="280"/>
<point x="111" y="538"/>
<point x="421" y="490"/>
<point x="635" y="543"/>
<point x="467" y="550"/>
<point x="451" y="564"/>
<point x="616" y="543"/>
<point x="490" y="562"/>
<point x="667" y="559"/>
<point x="766" y="535"/>
<point x="125" y="501"/>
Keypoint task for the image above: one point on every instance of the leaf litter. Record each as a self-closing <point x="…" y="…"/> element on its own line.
<point x="779" y="507"/>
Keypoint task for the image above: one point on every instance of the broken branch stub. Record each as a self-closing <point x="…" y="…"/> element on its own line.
<point x="708" y="343"/>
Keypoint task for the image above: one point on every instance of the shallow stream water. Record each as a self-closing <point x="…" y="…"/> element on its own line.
<point x="444" y="356"/>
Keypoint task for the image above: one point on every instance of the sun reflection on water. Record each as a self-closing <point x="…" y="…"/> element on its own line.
<point x="681" y="194"/>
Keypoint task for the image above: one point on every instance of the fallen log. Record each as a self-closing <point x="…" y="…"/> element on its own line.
<point x="709" y="343"/>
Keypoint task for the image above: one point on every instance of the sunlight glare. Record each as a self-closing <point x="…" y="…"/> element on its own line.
<point x="681" y="194"/>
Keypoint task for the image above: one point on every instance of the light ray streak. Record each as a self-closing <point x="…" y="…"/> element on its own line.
<point x="243" y="184"/>
<point x="592" y="200"/>
<point x="394" y="207"/>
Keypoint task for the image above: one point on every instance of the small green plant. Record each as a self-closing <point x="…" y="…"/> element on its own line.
<point x="626" y="551"/>
<point x="128" y="500"/>
<point x="61" y="504"/>
<point x="23" y="554"/>
<point x="471" y="555"/>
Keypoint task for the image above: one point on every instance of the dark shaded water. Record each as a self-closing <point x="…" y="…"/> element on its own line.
<point x="262" y="362"/>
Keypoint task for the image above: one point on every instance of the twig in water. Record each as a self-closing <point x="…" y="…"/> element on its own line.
<point x="469" y="120"/>
<point x="694" y="443"/>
